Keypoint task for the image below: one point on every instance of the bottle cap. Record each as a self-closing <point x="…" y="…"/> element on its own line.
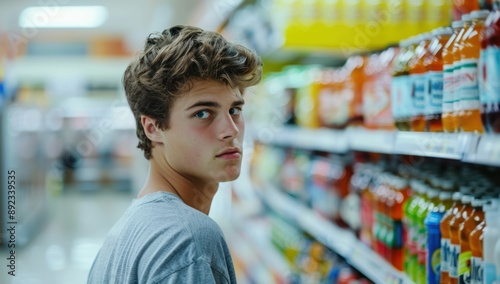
<point x="457" y="196"/>
<point x="466" y="18"/>
<point x="478" y="202"/>
<point x="457" y="24"/>
<point x="445" y="195"/>
<point x="479" y="15"/>
<point x="432" y="192"/>
<point x="467" y="199"/>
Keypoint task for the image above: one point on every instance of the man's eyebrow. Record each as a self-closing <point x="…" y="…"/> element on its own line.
<point x="213" y="104"/>
<point x="204" y="104"/>
<point x="238" y="103"/>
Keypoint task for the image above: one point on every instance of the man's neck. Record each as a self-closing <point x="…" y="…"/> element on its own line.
<point x="196" y="194"/>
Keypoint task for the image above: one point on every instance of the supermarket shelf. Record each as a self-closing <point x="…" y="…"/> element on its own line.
<point x="251" y="243"/>
<point x="312" y="139"/>
<point x="467" y="147"/>
<point x="371" y="140"/>
<point x="342" y="241"/>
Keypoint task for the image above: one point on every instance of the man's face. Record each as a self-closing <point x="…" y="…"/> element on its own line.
<point x="204" y="140"/>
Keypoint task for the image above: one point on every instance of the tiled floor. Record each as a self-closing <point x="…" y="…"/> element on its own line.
<point x="64" y="249"/>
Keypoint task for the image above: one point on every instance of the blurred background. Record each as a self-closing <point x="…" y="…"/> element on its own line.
<point x="355" y="148"/>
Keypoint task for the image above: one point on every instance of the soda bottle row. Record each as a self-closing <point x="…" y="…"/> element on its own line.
<point x="431" y="225"/>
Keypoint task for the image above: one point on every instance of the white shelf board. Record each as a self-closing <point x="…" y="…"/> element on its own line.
<point x="311" y="139"/>
<point x="342" y="241"/>
<point x="467" y="147"/>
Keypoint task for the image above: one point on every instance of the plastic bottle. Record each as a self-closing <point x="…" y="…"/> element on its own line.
<point x="491" y="237"/>
<point x="476" y="244"/>
<point x="490" y="73"/>
<point x="470" y="106"/>
<point x="432" y="195"/>
<point x="462" y="7"/>
<point x="432" y="224"/>
<point x="457" y="47"/>
<point x="411" y="208"/>
<point x="396" y="212"/>
<point x="419" y="84"/>
<point x="455" y="248"/>
<point x="434" y="102"/>
<point x="445" y="236"/>
<point x="466" y="228"/>
<point x="400" y="87"/>
<point x="448" y="79"/>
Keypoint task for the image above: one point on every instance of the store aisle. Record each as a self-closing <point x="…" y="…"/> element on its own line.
<point x="64" y="249"/>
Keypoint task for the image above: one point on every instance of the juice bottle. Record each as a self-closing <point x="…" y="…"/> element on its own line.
<point x="432" y="196"/>
<point x="457" y="47"/>
<point x="491" y="237"/>
<point x="455" y="224"/>
<point x="432" y="223"/>
<point x="396" y="212"/>
<point x="400" y="86"/>
<point x="445" y="236"/>
<point x="470" y="106"/>
<point x="466" y="228"/>
<point x="411" y="208"/>
<point x="448" y="79"/>
<point x="434" y="103"/>
<point x="490" y="73"/>
<point x="476" y="246"/>
<point x="462" y="7"/>
<point x="419" y="83"/>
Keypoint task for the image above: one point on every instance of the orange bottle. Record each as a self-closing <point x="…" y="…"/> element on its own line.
<point x="457" y="47"/>
<point x="396" y="200"/>
<point x="466" y="228"/>
<point x="448" y="80"/>
<point x="470" y="105"/>
<point x="455" y="248"/>
<point x="445" y="236"/>
<point x="419" y="83"/>
<point x="434" y="102"/>
<point x="462" y="7"/>
<point x="476" y="247"/>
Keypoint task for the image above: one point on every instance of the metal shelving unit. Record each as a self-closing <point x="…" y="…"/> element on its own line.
<point x="342" y="241"/>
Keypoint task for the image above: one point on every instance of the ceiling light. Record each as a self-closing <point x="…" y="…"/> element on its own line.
<point x="63" y="17"/>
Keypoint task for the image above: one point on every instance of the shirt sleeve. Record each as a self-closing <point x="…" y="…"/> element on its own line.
<point x="198" y="271"/>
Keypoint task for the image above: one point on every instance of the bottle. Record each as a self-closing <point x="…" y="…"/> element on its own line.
<point x="476" y="246"/>
<point x="470" y="106"/>
<point x="445" y="236"/>
<point x="455" y="247"/>
<point x="448" y="79"/>
<point x="400" y="87"/>
<point x="432" y="201"/>
<point x="419" y="84"/>
<point x="491" y="237"/>
<point x="411" y="208"/>
<point x="434" y="102"/>
<point x="466" y="228"/>
<point x="457" y="47"/>
<point x="489" y="72"/>
<point x="432" y="224"/>
<point x="462" y="7"/>
<point x="396" y="203"/>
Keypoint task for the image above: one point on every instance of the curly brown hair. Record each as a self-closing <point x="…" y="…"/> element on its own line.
<point x="169" y="63"/>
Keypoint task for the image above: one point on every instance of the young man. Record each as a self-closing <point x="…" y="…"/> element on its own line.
<point x="186" y="93"/>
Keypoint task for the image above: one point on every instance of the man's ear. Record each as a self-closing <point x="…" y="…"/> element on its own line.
<point x="150" y="128"/>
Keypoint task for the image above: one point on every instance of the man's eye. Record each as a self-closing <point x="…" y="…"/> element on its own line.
<point x="202" y="114"/>
<point x="235" y="111"/>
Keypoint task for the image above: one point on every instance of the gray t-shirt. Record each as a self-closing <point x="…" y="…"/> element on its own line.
<point x="160" y="239"/>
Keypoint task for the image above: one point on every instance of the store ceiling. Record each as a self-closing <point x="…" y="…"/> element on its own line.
<point x="128" y="18"/>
